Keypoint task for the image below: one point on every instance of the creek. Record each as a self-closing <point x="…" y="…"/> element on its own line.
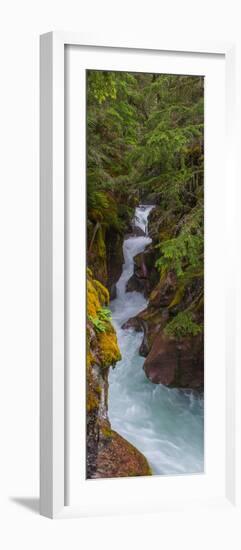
<point x="165" y="424"/>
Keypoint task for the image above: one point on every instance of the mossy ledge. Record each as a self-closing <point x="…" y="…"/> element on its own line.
<point x="108" y="454"/>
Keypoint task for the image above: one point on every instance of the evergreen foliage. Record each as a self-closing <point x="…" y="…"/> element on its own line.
<point x="182" y="325"/>
<point x="145" y="137"/>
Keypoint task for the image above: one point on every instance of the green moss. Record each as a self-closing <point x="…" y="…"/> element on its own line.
<point x="97" y="295"/>
<point x="101" y="249"/>
<point x="103" y="293"/>
<point x="109" y="349"/>
<point x="89" y="357"/>
<point x="95" y="215"/>
<point x="92" y="401"/>
<point x="182" y="325"/>
<point x="178" y="296"/>
<point x="107" y="345"/>
<point x="97" y="252"/>
<point x="106" y="432"/>
<point x="165" y="234"/>
<point x="93" y="302"/>
<point x="198" y="306"/>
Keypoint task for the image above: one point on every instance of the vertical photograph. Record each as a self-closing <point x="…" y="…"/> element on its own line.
<point x="145" y="274"/>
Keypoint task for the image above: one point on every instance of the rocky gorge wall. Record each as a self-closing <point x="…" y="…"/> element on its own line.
<point x="175" y="360"/>
<point x="108" y="454"/>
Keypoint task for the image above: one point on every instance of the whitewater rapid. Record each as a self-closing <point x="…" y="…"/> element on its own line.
<point x="165" y="424"/>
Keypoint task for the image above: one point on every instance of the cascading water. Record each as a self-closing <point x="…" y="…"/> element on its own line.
<point x="165" y="424"/>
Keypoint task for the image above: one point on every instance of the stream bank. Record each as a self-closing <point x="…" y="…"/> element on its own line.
<point x="108" y="454"/>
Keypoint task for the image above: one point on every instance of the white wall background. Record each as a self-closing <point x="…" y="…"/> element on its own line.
<point x="21" y="22"/>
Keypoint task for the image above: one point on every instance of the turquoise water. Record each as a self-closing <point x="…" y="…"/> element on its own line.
<point x="165" y="424"/>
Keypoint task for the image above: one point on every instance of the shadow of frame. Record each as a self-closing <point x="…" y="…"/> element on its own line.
<point x="32" y="503"/>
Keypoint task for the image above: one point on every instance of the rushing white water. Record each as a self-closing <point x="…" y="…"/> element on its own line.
<point x="165" y="424"/>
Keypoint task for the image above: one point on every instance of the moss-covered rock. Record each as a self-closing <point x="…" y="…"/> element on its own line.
<point x="109" y="349"/>
<point x="102" y="344"/>
<point x="108" y="454"/>
<point x="97" y="252"/>
<point x="106" y="226"/>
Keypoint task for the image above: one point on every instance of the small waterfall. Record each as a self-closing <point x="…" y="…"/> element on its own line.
<point x="165" y="424"/>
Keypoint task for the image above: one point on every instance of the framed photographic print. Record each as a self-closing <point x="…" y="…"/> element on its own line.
<point x="138" y="394"/>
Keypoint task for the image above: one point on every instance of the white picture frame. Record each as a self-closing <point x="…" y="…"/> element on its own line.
<point x="52" y="260"/>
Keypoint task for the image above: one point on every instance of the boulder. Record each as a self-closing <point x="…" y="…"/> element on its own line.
<point x="145" y="276"/>
<point x="119" y="458"/>
<point x="176" y="363"/>
<point x="149" y="321"/>
<point x="137" y="232"/>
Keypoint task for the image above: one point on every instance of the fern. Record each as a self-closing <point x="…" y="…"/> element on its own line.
<point x="180" y="252"/>
<point x="100" y="323"/>
<point x="104" y="314"/>
<point x="182" y="325"/>
<point x="99" y="326"/>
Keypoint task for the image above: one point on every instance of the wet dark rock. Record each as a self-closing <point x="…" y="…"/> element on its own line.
<point x="149" y="321"/>
<point x="145" y="276"/>
<point x="114" y="259"/>
<point x="176" y="363"/>
<point x="113" y="291"/>
<point x="137" y="232"/>
<point x="144" y="348"/>
<point x="137" y="283"/>
<point x="169" y="360"/>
